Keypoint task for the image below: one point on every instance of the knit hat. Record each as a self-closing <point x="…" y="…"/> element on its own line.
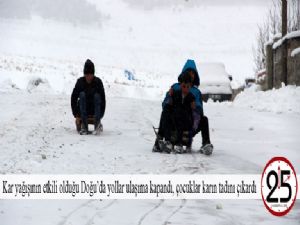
<point x="89" y="67"/>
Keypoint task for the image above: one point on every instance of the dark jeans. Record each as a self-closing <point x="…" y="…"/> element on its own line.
<point x="204" y="128"/>
<point x="89" y="106"/>
<point x="168" y="123"/>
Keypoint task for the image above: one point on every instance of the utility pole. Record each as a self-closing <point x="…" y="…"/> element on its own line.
<point x="284" y="44"/>
<point x="284" y="17"/>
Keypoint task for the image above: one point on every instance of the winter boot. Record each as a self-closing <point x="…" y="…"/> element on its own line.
<point x="83" y="131"/>
<point x="166" y="146"/>
<point x="178" y="149"/>
<point x="156" y="146"/>
<point x="188" y="149"/>
<point x="98" y="128"/>
<point x="206" y="149"/>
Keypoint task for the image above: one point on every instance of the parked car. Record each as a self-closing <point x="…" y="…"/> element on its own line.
<point x="214" y="82"/>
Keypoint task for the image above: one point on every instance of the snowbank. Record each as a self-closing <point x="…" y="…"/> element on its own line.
<point x="283" y="100"/>
<point x="34" y="74"/>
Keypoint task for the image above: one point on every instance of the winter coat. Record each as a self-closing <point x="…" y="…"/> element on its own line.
<point x="90" y="89"/>
<point x="190" y="64"/>
<point x="194" y="91"/>
<point x="182" y="110"/>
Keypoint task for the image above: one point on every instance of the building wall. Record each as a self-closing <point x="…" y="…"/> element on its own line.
<point x="293" y="63"/>
<point x="275" y="68"/>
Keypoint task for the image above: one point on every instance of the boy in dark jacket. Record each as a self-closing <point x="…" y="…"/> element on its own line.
<point x="200" y="121"/>
<point x="88" y="99"/>
<point x="176" y="116"/>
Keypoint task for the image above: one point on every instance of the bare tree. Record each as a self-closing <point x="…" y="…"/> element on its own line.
<point x="260" y="52"/>
<point x="271" y="27"/>
<point x="293" y="15"/>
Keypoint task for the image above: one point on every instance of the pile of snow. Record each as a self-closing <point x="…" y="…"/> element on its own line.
<point x="38" y="84"/>
<point x="283" y="100"/>
<point x="235" y="84"/>
<point x="214" y="78"/>
<point x="7" y="85"/>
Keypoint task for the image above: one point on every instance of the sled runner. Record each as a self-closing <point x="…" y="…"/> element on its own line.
<point x="186" y="141"/>
<point x="78" y="122"/>
<point x="91" y="120"/>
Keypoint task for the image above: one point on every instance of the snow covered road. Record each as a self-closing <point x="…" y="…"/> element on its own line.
<point x="37" y="126"/>
<point x="38" y="137"/>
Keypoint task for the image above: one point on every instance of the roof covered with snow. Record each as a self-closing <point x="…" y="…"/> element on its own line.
<point x="290" y="35"/>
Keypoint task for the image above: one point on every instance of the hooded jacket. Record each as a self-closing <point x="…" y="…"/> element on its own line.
<point x="189" y="65"/>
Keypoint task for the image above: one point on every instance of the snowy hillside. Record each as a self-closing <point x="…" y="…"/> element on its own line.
<point x="128" y="37"/>
<point x="42" y="52"/>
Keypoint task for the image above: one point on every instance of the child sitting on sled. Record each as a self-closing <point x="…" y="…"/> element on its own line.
<point x="176" y="119"/>
<point x="200" y="121"/>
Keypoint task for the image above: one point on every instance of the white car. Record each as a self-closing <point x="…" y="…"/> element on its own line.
<point x="214" y="82"/>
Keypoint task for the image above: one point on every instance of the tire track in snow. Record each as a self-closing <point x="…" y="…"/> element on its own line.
<point x="183" y="202"/>
<point x="74" y="211"/>
<point x="150" y="212"/>
<point x="82" y="207"/>
<point x="171" y="164"/>
<point x="90" y="222"/>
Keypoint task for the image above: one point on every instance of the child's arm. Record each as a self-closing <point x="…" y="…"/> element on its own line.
<point x="168" y="100"/>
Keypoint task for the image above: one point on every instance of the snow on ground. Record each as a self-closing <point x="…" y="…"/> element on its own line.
<point x="283" y="100"/>
<point x="39" y="125"/>
<point x="40" y="61"/>
<point x="36" y="124"/>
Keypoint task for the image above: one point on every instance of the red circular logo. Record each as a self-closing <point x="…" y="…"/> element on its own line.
<point x="279" y="186"/>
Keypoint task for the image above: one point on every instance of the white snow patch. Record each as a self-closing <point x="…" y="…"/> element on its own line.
<point x="290" y="35"/>
<point x="283" y="100"/>
<point x="295" y="52"/>
<point x="38" y="84"/>
<point x="236" y="84"/>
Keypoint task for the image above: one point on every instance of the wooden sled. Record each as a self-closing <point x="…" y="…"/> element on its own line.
<point x="78" y="122"/>
<point x="185" y="137"/>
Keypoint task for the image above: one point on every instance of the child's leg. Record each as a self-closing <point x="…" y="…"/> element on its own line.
<point x="165" y="124"/>
<point x="204" y="128"/>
